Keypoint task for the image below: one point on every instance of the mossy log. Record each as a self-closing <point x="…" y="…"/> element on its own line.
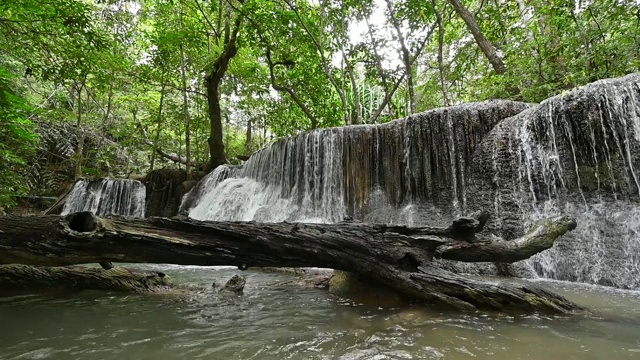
<point x="397" y="256"/>
<point x="34" y="278"/>
<point x="540" y="237"/>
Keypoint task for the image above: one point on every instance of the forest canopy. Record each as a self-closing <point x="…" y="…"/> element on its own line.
<point x="116" y="87"/>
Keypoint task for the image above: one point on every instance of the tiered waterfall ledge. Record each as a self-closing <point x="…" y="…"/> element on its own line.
<point x="397" y="256"/>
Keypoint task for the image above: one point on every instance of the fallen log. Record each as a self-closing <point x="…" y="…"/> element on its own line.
<point x="14" y="278"/>
<point x="397" y="256"/>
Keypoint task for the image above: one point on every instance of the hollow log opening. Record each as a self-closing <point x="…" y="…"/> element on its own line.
<point x="82" y="222"/>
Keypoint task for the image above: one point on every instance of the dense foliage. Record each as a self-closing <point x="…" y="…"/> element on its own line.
<point x="115" y="87"/>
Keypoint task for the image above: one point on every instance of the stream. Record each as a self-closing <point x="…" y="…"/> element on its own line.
<point x="276" y="322"/>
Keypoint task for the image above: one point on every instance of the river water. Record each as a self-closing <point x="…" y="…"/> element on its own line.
<point x="276" y="322"/>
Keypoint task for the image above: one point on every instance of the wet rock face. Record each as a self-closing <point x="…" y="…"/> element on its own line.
<point x="576" y="153"/>
<point x="370" y="172"/>
<point x="579" y="146"/>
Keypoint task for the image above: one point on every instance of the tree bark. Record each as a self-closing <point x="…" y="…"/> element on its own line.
<point x="484" y="44"/>
<point x="539" y="238"/>
<point x="378" y="61"/>
<point x="213" y="80"/>
<point x="397" y="256"/>
<point x="81" y="135"/>
<point x="248" y="138"/>
<point x="158" y="124"/>
<point x="170" y="156"/>
<point x="357" y="118"/>
<point x="441" y="70"/>
<point x="185" y="105"/>
<point x="17" y="278"/>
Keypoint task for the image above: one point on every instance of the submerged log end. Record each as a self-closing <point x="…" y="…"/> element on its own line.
<point x="467" y="293"/>
<point x="43" y="278"/>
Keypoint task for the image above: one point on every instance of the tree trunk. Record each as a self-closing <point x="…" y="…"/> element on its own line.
<point x="357" y="118"/>
<point x="216" y="144"/>
<point x="80" y="148"/>
<point x="324" y="60"/>
<point x="481" y="40"/>
<point x="387" y="98"/>
<point x="397" y="256"/>
<point x="381" y="71"/>
<point x="185" y="106"/>
<point x="445" y="93"/>
<point x="213" y="80"/>
<point x="17" y="278"/>
<point x="158" y="124"/>
<point x="248" y="138"/>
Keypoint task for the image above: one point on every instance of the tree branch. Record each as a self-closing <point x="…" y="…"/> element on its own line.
<point x="484" y="44"/>
<point x="291" y="92"/>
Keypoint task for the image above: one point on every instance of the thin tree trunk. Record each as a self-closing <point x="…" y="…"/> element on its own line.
<point x="158" y="124"/>
<point x="185" y="106"/>
<point x="383" y="76"/>
<point x="107" y="113"/>
<point x="248" y="142"/>
<point x="406" y="58"/>
<point x="81" y="135"/>
<point x="294" y="96"/>
<point x="484" y="44"/>
<point x="445" y="93"/>
<point x="387" y="97"/>
<point x="357" y="119"/>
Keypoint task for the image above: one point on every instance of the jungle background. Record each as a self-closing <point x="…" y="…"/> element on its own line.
<point x="93" y="88"/>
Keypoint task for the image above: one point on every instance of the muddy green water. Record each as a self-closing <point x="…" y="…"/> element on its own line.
<point x="280" y="323"/>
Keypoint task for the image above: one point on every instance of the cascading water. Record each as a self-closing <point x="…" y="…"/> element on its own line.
<point x="577" y="154"/>
<point x="382" y="173"/>
<point x="107" y="197"/>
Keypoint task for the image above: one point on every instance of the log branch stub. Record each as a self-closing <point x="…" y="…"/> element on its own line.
<point x="541" y="236"/>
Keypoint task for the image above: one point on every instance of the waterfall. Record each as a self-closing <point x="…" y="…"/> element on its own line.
<point x="107" y="197"/>
<point x="577" y="154"/>
<point x="392" y="173"/>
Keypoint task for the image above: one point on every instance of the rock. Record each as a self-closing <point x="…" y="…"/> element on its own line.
<point x="163" y="191"/>
<point x="235" y="286"/>
<point x="578" y="154"/>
